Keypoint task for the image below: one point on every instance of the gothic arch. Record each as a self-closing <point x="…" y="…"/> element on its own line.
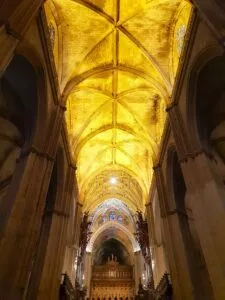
<point x="22" y="109"/>
<point x="125" y="256"/>
<point x="34" y="58"/>
<point x="201" y="60"/>
<point x="114" y="225"/>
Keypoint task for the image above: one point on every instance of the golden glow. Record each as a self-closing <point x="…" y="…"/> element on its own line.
<point x="113" y="180"/>
<point x="116" y="62"/>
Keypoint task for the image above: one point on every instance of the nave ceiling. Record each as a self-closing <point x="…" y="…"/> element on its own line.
<point x="116" y="62"/>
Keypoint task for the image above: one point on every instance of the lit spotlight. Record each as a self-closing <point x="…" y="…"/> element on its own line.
<point x="113" y="180"/>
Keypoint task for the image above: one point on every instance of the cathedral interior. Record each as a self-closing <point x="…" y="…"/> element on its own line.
<point x="112" y="149"/>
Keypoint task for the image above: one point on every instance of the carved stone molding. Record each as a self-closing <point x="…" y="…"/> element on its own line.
<point x="59" y="213"/>
<point x="184" y="59"/>
<point x="212" y="12"/>
<point x="85" y="233"/>
<point x="161" y="190"/>
<point x="33" y="149"/>
<point x="66" y="144"/>
<point x="163" y="143"/>
<point x="12" y="32"/>
<point x="142" y="234"/>
<point x="150" y="219"/>
<point x="178" y="128"/>
<point x="194" y="155"/>
<point x="49" y="57"/>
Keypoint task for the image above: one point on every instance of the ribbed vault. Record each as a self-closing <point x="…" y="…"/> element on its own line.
<point x="116" y="61"/>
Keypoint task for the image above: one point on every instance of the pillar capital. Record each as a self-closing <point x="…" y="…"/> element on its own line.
<point x="171" y="106"/>
<point x="178" y="128"/>
<point x="157" y="167"/>
<point x="195" y="154"/>
<point x="26" y="152"/>
<point x="72" y="166"/>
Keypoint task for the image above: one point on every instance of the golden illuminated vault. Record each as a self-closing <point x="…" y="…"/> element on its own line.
<point x="116" y="62"/>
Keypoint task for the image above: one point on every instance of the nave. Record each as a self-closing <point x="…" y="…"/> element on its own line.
<point x="112" y="149"/>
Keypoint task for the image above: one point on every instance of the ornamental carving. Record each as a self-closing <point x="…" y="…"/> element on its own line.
<point x="126" y="183"/>
<point x="51" y="31"/>
<point x="85" y="233"/>
<point x="142" y="233"/>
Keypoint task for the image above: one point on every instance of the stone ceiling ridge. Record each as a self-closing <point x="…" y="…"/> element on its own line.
<point x="116" y="62"/>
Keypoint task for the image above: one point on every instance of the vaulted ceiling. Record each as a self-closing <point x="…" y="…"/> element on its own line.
<point x="116" y="62"/>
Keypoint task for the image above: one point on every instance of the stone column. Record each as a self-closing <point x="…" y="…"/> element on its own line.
<point x="21" y="221"/>
<point x="45" y="282"/>
<point x="137" y="269"/>
<point x="156" y="239"/>
<point x="80" y="271"/>
<point x="87" y="272"/>
<point x="21" y="218"/>
<point x="203" y="185"/>
<point x="150" y="222"/>
<point x="69" y="257"/>
<point x="206" y="198"/>
<point x="175" y="248"/>
<point x="72" y="247"/>
<point x="78" y="219"/>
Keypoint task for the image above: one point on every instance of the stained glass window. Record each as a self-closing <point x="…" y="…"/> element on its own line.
<point x="112" y="216"/>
